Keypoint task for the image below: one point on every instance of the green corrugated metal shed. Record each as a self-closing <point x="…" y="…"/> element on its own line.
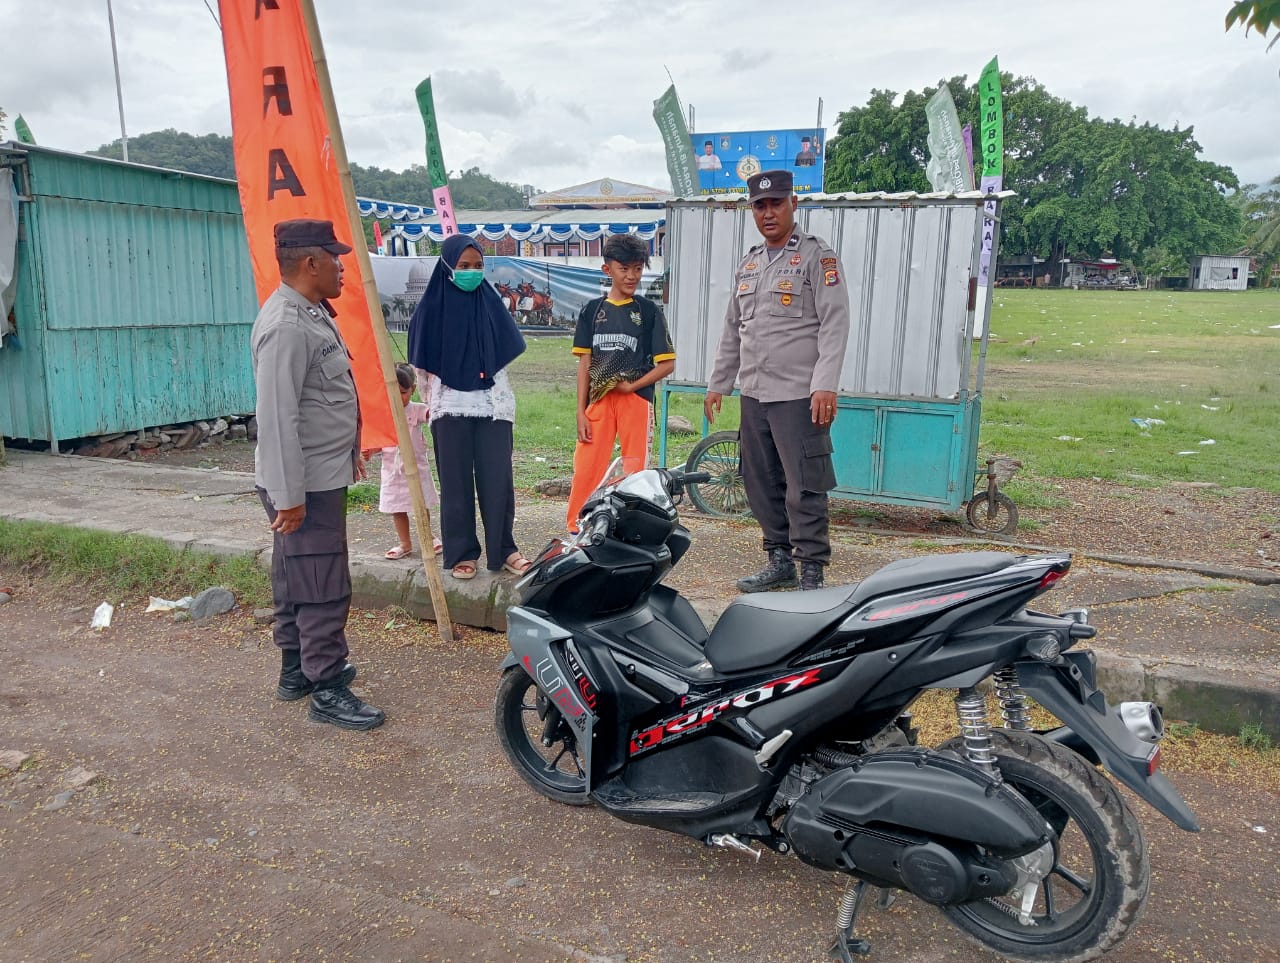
<point x="135" y="298"/>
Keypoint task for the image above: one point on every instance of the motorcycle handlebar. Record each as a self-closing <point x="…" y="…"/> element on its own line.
<point x="677" y="480"/>
<point x="601" y="523"/>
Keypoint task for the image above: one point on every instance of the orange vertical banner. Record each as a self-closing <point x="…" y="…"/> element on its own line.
<point x="286" y="169"/>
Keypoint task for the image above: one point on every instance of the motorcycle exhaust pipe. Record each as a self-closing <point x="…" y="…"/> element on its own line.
<point x="1143" y="719"/>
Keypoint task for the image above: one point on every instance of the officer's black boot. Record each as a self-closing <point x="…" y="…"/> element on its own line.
<point x="810" y="576"/>
<point x="293" y="684"/>
<point x="334" y="703"/>
<point x="779" y="573"/>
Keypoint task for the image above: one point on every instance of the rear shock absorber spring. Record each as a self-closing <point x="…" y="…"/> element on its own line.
<point x="1014" y="708"/>
<point x="971" y="710"/>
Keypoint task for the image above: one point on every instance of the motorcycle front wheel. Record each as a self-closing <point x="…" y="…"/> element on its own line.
<point x="1098" y="883"/>
<point x="538" y="740"/>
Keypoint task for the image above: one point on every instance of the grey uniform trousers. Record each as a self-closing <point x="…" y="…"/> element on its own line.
<point x="787" y="470"/>
<point x="311" y="584"/>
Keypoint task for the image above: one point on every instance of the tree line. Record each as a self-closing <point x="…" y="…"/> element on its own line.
<point x="212" y="154"/>
<point x="1086" y="187"/>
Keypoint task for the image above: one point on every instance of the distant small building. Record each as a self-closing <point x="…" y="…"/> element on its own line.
<point x="1018" y="270"/>
<point x="1102" y="273"/>
<point x="1219" y="272"/>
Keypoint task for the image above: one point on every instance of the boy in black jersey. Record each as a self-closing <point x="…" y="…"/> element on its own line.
<point x="623" y="349"/>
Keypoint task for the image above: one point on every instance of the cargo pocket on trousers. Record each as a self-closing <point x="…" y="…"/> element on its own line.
<point x="817" y="470"/>
<point x="314" y="563"/>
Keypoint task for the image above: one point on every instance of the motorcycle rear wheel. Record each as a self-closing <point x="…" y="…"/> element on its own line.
<point x="523" y="716"/>
<point x="1098" y="885"/>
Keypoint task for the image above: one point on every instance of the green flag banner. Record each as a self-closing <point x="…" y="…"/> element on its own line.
<point x="682" y="165"/>
<point x="991" y="155"/>
<point x="23" y="131"/>
<point x="948" y="168"/>
<point x="436" y="170"/>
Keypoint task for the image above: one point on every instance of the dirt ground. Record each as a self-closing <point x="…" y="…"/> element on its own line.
<point x="224" y="826"/>
<point x="1237" y="528"/>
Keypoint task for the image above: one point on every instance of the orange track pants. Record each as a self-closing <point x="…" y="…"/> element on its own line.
<point x="627" y="418"/>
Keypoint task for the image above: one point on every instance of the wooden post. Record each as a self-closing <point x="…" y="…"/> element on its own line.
<point x="422" y="515"/>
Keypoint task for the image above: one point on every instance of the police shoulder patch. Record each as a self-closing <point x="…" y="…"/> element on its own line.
<point x="831" y="277"/>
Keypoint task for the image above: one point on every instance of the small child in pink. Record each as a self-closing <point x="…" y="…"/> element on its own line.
<point x="394" y="499"/>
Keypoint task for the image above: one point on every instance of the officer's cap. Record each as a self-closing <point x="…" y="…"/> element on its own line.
<point x="305" y="232"/>
<point x="769" y="184"/>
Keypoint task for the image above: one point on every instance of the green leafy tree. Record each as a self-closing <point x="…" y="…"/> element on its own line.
<point x="1259" y="15"/>
<point x="1085" y="186"/>
<point x="1260" y="208"/>
<point x="210" y="154"/>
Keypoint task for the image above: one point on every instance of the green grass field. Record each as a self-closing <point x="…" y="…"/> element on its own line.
<point x="1071" y="369"/>
<point x="1065" y="373"/>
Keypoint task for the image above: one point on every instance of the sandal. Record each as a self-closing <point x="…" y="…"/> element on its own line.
<point x="516" y="564"/>
<point x="464" y="571"/>
<point x="437" y="546"/>
<point x="398" y="552"/>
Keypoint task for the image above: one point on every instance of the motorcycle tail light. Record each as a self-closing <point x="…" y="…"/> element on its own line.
<point x="1047" y="580"/>
<point x="1153" y="762"/>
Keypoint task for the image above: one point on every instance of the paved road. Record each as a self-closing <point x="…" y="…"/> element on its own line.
<point x="225" y="826"/>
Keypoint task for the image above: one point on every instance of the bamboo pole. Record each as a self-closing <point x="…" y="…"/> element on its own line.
<point x="422" y="514"/>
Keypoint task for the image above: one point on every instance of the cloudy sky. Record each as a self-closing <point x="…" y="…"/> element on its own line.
<point x="559" y="93"/>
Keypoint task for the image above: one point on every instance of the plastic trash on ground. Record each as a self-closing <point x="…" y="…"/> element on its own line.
<point x="102" y="616"/>
<point x="158" y="604"/>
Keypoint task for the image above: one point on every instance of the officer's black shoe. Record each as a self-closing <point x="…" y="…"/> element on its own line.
<point x="294" y="685"/>
<point x="779" y="573"/>
<point x="810" y="576"/>
<point x="336" y="704"/>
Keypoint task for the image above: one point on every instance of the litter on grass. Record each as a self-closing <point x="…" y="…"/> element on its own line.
<point x="164" y="605"/>
<point x="1144" y="424"/>
<point x="102" y="616"/>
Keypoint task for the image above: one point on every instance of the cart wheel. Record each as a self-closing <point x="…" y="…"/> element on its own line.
<point x="997" y="518"/>
<point x="725" y="496"/>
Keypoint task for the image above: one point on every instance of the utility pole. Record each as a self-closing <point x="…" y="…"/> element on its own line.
<point x="115" y="60"/>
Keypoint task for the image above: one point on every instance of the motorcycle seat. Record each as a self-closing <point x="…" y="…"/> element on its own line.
<point x="767" y="627"/>
<point x="913" y="573"/>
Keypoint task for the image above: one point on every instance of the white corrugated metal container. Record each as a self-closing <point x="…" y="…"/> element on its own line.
<point x="909" y="261"/>
<point x="1218" y="272"/>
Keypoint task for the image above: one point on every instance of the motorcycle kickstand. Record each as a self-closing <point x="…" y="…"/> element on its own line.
<point x="846" y="944"/>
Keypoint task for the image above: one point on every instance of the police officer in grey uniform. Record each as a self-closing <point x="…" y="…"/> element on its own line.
<point x="308" y="453"/>
<point x="784" y="338"/>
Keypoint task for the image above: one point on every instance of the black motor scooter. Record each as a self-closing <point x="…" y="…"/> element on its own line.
<point x="788" y="725"/>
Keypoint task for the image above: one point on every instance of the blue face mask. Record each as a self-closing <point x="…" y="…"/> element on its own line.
<point x="467" y="280"/>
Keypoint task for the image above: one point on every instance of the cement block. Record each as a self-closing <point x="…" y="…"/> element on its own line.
<point x="1123" y="680"/>
<point x="224" y="547"/>
<point x="470" y="602"/>
<point x="377" y="583"/>
<point x="1216" y="701"/>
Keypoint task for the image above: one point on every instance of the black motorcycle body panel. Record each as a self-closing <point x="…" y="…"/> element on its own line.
<point x="694" y="731"/>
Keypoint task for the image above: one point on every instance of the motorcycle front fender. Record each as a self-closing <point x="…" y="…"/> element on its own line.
<point x="1066" y="689"/>
<point x="545" y="651"/>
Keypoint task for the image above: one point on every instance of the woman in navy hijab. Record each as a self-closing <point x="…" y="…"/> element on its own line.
<point x="461" y="339"/>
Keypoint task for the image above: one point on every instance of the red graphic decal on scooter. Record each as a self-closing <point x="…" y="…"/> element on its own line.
<point x="686" y="723"/>
<point x="908" y="607"/>
<point x="585" y="689"/>
<point x="547" y="674"/>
